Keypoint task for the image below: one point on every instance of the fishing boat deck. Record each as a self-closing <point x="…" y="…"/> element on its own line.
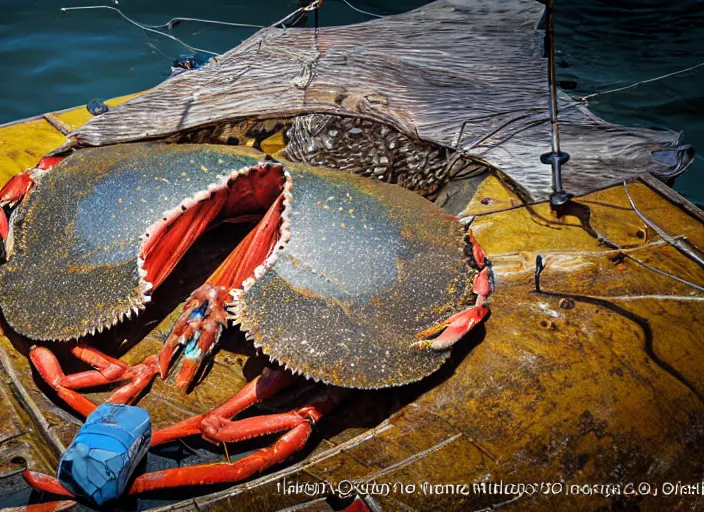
<point x="599" y="371"/>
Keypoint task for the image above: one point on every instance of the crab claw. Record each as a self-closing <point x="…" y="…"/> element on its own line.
<point x="4" y="226"/>
<point x="197" y="330"/>
<point x="478" y="254"/>
<point x="15" y="189"/>
<point x="454" y="327"/>
<point x="483" y="285"/>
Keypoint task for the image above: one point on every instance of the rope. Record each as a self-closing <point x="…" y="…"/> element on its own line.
<point x="361" y="11"/>
<point x="589" y="96"/>
<point x="144" y="28"/>
<point x="174" y="21"/>
<point x="314" y="5"/>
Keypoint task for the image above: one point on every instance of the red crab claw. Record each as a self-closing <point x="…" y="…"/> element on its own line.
<point x="454" y="327"/>
<point x="459" y="324"/>
<point x="199" y="326"/>
<point x="478" y="253"/>
<point x="197" y="329"/>
<point x="13" y="191"/>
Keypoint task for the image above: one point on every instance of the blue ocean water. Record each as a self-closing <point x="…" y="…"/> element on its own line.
<point x="53" y="59"/>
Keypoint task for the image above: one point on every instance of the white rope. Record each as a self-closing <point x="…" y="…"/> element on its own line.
<point x="169" y="24"/>
<point x="361" y="11"/>
<point x="143" y="27"/>
<point x="589" y="96"/>
<point x="308" y="8"/>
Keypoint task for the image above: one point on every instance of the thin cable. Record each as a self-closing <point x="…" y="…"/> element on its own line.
<point x="308" y="8"/>
<point x="143" y="27"/>
<point x="361" y="11"/>
<point x="665" y="273"/>
<point x="589" y="96"/>
<point x="170" y="24"/>
<point x="677" y="244"/>
<point x="153" y="47"/>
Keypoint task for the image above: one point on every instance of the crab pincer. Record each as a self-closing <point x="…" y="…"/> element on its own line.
<point x="199" y="326"/>
<point x="459" y="324"/>
<point x="13" y="191"/>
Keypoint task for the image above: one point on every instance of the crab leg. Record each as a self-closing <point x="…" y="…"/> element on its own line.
<point x="291" y="442"/>
<point x="216" y="427"/>
<point x="108" y="370"/>
<point x="51" y="506"/>
<point x="203" y="318"/>
<point x="260" y="388"/>
<point x="459" y="324"/>
<point x="15" y="189"/>
<point x="46" y="483"/>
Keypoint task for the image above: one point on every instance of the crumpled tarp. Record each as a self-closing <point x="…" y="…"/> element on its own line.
<point x="426" y="73"/>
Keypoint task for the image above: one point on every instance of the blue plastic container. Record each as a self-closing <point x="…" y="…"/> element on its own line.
<point x="101" y="458"/>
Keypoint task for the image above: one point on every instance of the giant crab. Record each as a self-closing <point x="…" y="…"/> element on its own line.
<point x="344" y="279"/>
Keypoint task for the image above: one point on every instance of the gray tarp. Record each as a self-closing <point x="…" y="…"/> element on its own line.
<point x="425" y="72"/>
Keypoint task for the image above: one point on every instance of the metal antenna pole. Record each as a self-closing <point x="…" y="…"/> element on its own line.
<point x="559" y="198"/>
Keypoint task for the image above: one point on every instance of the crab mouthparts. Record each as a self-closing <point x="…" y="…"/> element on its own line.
<point x="258" y="193"/>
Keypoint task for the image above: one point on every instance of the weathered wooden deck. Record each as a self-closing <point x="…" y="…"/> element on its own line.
<point x="596" y="379"/>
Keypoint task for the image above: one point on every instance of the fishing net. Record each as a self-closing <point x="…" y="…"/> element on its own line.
<point x="466" y="75"/>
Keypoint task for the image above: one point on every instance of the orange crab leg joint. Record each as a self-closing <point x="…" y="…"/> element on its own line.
<point x="288" y="444"/>
<point x="478" y="253"/>
<point x="260" y="388"/>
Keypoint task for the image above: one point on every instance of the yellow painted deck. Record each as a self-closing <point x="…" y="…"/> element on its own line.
<point x="597" y="379"/>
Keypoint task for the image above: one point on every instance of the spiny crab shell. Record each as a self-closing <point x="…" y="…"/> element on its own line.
<point x="359" y="269"/>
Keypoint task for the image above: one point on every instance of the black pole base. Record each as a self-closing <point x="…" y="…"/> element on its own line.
<point x="559" y="200"/>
